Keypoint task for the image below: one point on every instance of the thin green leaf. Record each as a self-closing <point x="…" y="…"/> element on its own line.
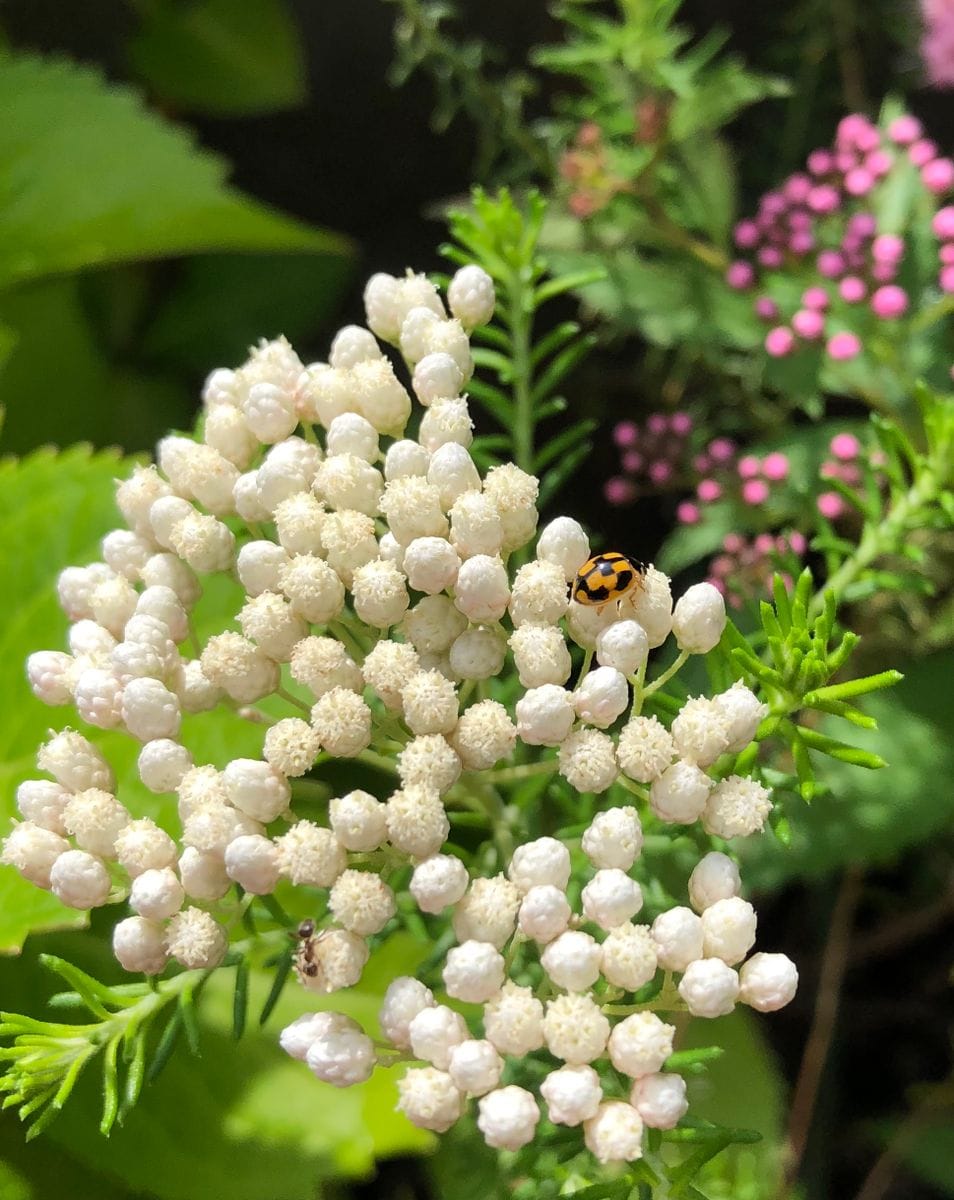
<point x="240" y="999"/>
<point x="567" y="283"/>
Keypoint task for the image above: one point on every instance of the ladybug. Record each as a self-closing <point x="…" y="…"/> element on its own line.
<point x="607" y="577"/>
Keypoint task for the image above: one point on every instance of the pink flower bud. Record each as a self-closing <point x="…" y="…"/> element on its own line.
<point x="922" y="151"/>
<point x="823" y="199"/>
<point x="862" y="225"/>
<point x="849" y="128"/>
<point x="660" y="471"/>
<point x="740" y="275"/>
<point x="946" y="280"/>
<point x="888" y="248"/>
<point x="797" y="188"/>
<point x="619" y="491"/>
<point x="779" y="341"/>
<point x="764" y="544"/>
<point x="801" y="242"/>
<point x="775" y="466"/>
<point x="708" y="490"/>
<point x="946" y="254"/>
<point x="773" y="203"/>
<point x="904" y="130"/>
<point x="830" y="505"/>
<point x="889" y="302"/>
<point x="721" y="450"/>
<point x="701" y="463"/>
<point x="799" y="220"/>
<point x="748" y="467"/>
<point x="844" y="346"/>
<point x="808" y="323"/>
<point x="830" y="264"/>
<point x="770" y="257"/>
<point x="746" y="235"/>
<point x="845" y="446"/>
<point x="867" y="139"/>
<point x="884" y="272"/>
<point x="681" y="424"/>
<point x="852" y="289"/>
<point x="797" y="542"/>
<point x="732" y="543"/>
<point x="625" y="434"/>
<point x="938" y="175"/>
<point x="820" y="162"/>
<point x="859" y="181"/>
<point x="632" y="461"/>
<point x="879" y="163"/>
<point x="943" y="223"/>
<point x="688" y="513"/>
<point x="766" y="308"/>
<point x="755" y="491"/>
<point x="815" y="297"/>
<point x="656" y="423"/>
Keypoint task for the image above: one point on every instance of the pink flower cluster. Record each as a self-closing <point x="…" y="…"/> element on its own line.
<point x="654" y="456"/>
<point x="749" y="479"/>
<point x="815" y="223"/>
<point x="746" y="565"/>
<point x="843" y="464"/>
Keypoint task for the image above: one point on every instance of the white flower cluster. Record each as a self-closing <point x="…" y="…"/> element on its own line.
<point x="380" y="596"/>
<point x="588" y="959"/>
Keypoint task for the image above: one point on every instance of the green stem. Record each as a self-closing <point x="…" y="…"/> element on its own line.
<point x="521" y="324"/>
<point x="664" y="678"/>
<point x="525" y="771"/>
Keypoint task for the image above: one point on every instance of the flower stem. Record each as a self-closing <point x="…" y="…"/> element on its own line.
<point x="664" y="678"/>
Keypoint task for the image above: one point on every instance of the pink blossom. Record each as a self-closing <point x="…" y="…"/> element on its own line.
<point x="946" y="280"/>
<point x="770" y="257"/>
<point x="904" y="130"/>
<point x="701" y="463"/>
<point x="884" y="272"/>
<point x="849" y="129"/>
<point x="775" y="466"/>
<point x="632" y="461"/>
<point x="766" y="308"/>
<point x="681" y="424"/>
<point x="732" y="543"/>
<point x="820" y="162"/>
<point x="937" y="42"/>
<point x="688" y="513"/>
<point x="808" y="323"/>
<point x="862" y="224"/>
<point x="859" y="181"/>
<point x="660" y="471"/>
<point x="815" y="297"/>
<point x="801" y="242"/>
<point x="748" y="467"/>
<point x="938" y="175"/>
<point x="852" y="289"/>
<point x="779" y="341"/>
<point x="922" y="151"/>
<point x="708" y="490"/>
<point x="746" y="235"/>
<point x="830" y="505"/>
<point x="946" y="254"/>
<point x="943" y="223"/>
<point x="797" y="542"/>
<point x="888" y="248"/>
<point x="740" y="275"/>
<point x="823" y="199"/>
<point x="721" y="450"/>
<point x="656" y="423"/>
<point x="722" y="564"/>
<point x="764" y="544"/>
<point x="844" y="346"/>
<point x="619" y="491"/>
<point x="755" y="491"/>
<point x="797" y="188"/>
<point x="889" y="302"/>
<point x="879" y="163"/>
<point x="845" y="446"/>
<point x="625" y="434"/>
<point x="831" y="264"/>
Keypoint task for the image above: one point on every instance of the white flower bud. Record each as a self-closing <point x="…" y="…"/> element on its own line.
<point x="405" y="458"/>
<point x="680" y="794"/>
<point x="342" y="721"/>
<point x="545" y="715"/>
<point x="438" y="882"/>
<point x="572" y="961"/>
<point x="256" y="789"/>
<point x="484" y="735"/>
<point x="203" y="875"/>
<point x="361" y="902"/>
<point x="226" y="430"/>
<point x="270" y="413"/>
<point x="615" y="1134"/>
<point x="271" y="622"/>
<point x="575" y="1029"/>
<point x="540" y="655"/>
<point x="539" y="594"/>
<point x="165" y="515"/>
<point x="291" y="746"/>
<point x="473" y="972"/>
<point x="769" y="982"/>
<point x="211" y="826"/>
<point x="482" y="592"/>
<point x="646" y="749"/>
<point x="322" y="663"/>
<point x="379" y="594"/>
<point x="299" y="520"/>
<point x="382" y="305"/>
<point x="51" y="675"/>
<point x="252" y="861"/>
<point x="403" y="1000"/>
<point x="418" y="331"/>
<point x="430" y="1099"/>
<point x="126" y="552"/>
<point x="74" y="762"/>
<point x="289" y="469"/>
<point x="629" y="957"/>
<point x="544" y="861"/>
<point x="573" y="1094"/>
<point x="248" y="499"/>
<point x="150" y="710"/>
<point x="587" y="761"/>
<point x="602" y="697"/>
<point x="737" y="807"/>
<point x="513" y="1020"/>
<point x="140" y="946"/>
<point x="699" y="618"/>
<point x="136" y="495"/>
<point x="359" y="821"/>
<point x="743" y="713"/>
<point x="564" y="542"/>
<point x="428" y="761"/>
<point x="351" y="345"/>
<point x="98" y="695"/>
<point x="74" y="587"/>
<point x="342" y="1058"/>
<point x="341" y="958"/>
<point x="416" y="821"/>
<point x="640" y="1044"/>
<point x="197" y="693"/>
<point x="614" y="838"/>
<point x="325" y="392"/>
<point x="611" y="898"/>
<point x="700" y="731"/>
<point x="432" y="626"/>
<point x="434" y="1032"/>
<point x="162" y="603"/>
<point x="204" y="542"/>
<point x="92" y="641"/>
<point x="650" y="604"/>
<point x="143" y="846"/>
<point x="79" y="880"/>
<point x="678" y="935"/>
<point x="585" y="622"/>
<point x="297" y="1038"/>
<point x="471" y="296"/>
<point x="167" y="571"/>
<point x="623" y="645"/>
<point x="660" y="1099"/>
<point x="412" y="507"/>
<point x="196" y="940"/>
<point x="112" y="603"/>
<point x="348" y="482"/>
<point x="430" y="703"/>
<point x="508" y="1117"/>
<point x="42" y="802"/>
<point x="95" y="818"/>
<point x="478" y="654"/>
<point x="728" y="928"/>
<point x="488" y="912"/>
<point x="436" y="377"/>
<point x="714" y="877"/>
<point x="475" y="1067"/>
<point x="476" y="526"/>
<point x="201" y="788"/>
<point x="240" y="668"/>
<point x="380" y="396"/>
<point x="156" y="894"/>
<point x="314" y="588"/>
<point x="709" y="988"/>
<point x="311" y="856"/>
<point x="451" y="469"/>
<point x="33" y="851"/>
<point x="514" y="493"/>
<point x="544" y="913"/>
<point x="431" y="564"/>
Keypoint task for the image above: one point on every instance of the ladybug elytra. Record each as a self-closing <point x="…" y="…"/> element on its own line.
<point x="607" y="577"/>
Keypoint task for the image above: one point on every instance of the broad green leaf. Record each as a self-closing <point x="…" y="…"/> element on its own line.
<point x="927" y="1150"/>
<point x="222" y="57"/>
<point x="88" y="176"/>
<point x="871" y="817"/>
